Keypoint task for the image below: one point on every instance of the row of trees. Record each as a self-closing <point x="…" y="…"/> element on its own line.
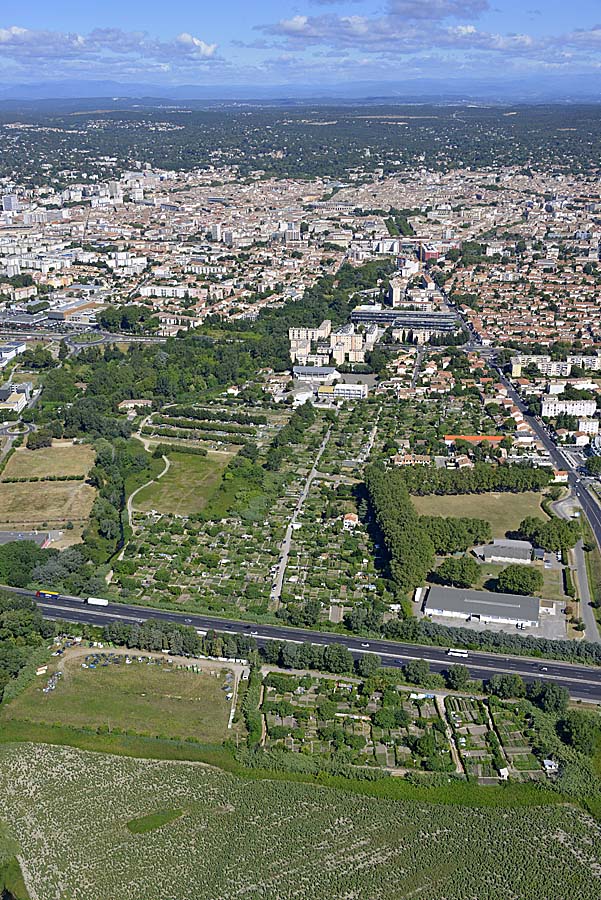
<point x="480" y="479"/>
<point x="207" y="415"/>
<point x="410" y="548"/>
<point x="182" y="640"/>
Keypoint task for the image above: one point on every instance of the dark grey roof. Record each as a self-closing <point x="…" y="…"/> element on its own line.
<point x="483" y="603"/>
<point x="507" y="551"/>
<point x="314" y="370"/>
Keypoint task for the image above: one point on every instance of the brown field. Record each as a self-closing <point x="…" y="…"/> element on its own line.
<point x="63" y="458"/>
<point x="30" y="504"/>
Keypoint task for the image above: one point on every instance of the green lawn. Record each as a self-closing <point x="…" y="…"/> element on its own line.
<point x="504" y="511"/>
<point x="188" y="485"/>
<point x="154" y="820"/>
<point x="140" y="698"/>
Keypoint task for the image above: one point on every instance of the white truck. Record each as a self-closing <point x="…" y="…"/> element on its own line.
<point x="97" y="601"/>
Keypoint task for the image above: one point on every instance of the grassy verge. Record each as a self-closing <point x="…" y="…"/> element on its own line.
<point x="593" y="567"/>
<point x="154" y="820"/>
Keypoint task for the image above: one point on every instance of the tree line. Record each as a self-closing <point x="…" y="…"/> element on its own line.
<point x="482" y="478"/>
<point x="410" y="548"/>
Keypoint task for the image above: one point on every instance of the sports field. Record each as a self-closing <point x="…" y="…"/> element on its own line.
<point x="31" y="504"/>
<point x="146" y="698"/>
<point x="63" y="458"/>
<point x="186" y="487"/>
<point x="504" y="511"/>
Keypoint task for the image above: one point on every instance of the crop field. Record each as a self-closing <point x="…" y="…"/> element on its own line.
<point x="188" y="485"/>
<point x="148" y="698"/>
<point x="52" y="502"/>
<point x="91" y="826"/>
<point x="504" y="511"/>
<point x="63" y="458"/>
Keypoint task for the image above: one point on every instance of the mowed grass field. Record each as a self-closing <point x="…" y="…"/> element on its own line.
<point x="188" y="485"/>
<point x="504" y="511"/>
<point x="52" y="502"/>
<point x="63" y="458"/>
<point x="148" y="699"/>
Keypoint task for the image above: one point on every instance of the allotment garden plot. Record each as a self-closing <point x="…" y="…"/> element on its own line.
<point x="352" y="722"/>
<point x="226" y="552"/>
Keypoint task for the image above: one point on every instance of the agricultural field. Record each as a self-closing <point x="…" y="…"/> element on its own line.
<point x="91" y="826"/>
<point x="391" y="728"/>
<point x="52" y="504"/>
<point x="187" y="485"/>
<point x="504" y="511"/>
<point x="147" y="697"/>
<point x="62" y="459"/>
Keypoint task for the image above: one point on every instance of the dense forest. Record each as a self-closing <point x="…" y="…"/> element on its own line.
<point x="282" y="143"/>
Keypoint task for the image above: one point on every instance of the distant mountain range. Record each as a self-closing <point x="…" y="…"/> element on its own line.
<point x="543" y="89"/>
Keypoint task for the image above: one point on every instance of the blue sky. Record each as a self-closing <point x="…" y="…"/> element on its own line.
<point x="296" y="41"/>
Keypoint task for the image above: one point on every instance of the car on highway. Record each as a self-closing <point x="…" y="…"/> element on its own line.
<point x="365" y="644"/>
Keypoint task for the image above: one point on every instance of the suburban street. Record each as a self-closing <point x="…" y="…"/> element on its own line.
<point x="583" y="682"/>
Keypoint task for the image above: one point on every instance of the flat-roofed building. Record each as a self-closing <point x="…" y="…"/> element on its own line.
<point x="483" y="606"/>
<point x="505" y="550"/>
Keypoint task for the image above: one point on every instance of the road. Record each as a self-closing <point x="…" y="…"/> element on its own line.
<point x="276" y="591"/>
<point x="562" y="509"/>
<point x="576" y="484"/>
<point x="583" y="682"/>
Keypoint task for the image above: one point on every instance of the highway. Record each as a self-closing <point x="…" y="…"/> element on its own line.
<point x="583" y="682"/>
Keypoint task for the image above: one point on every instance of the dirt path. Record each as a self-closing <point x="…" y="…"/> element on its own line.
<point x="449" y="733"/>
<point x="130" y="499"/>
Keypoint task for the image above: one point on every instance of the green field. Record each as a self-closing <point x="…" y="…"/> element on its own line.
<point x="504" y="511"/>
<point x="69" y="812"/>
<point x="188" y="485"/>
<point x="141" y="698"/>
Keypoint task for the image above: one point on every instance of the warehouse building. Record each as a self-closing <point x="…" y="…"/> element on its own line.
<point x="504" y="550"/>
<point x="483" y="606"/>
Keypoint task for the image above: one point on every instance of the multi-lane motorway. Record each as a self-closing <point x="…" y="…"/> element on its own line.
<point x="583" y="682"/>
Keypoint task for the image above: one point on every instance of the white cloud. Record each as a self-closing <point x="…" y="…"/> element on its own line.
<point x="196" y="45"/>
<point x="21" y="48"/>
